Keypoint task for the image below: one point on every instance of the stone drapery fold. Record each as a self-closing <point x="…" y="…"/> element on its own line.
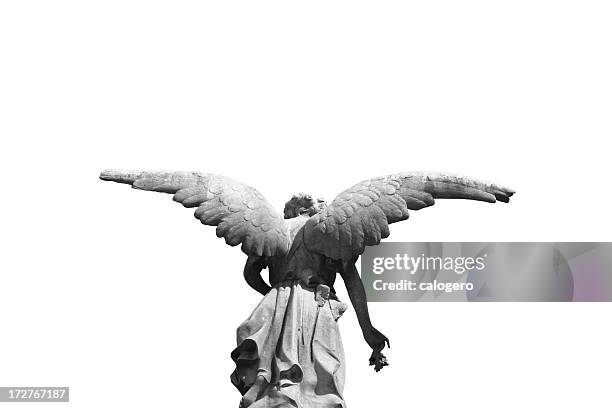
<point x="289" y="351"/>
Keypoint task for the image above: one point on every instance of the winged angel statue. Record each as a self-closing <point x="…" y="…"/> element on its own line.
<point x="289" y="352"/>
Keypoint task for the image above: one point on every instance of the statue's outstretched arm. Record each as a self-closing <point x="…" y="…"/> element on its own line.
<point x="252" y="274"/>
<point x="375" y="339"/>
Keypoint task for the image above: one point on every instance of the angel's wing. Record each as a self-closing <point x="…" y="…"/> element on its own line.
<point x="241" y="213"/>
<point x="361" y="215"/>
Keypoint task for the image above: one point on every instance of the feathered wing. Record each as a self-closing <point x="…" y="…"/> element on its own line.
<point x="240" y="213"/>
<point x="361" y="215"/>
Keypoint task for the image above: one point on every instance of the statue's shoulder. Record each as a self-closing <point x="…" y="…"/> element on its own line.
<point x="294" y="225"/>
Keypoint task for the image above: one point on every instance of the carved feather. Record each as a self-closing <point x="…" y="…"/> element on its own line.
<point x="361" y="215"/>
<point x="240" y="213"/>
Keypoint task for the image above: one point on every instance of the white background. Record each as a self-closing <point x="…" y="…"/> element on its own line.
<point x="123" y="296"/>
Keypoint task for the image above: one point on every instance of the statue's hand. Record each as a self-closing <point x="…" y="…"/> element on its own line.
<point x="376" y="340"/>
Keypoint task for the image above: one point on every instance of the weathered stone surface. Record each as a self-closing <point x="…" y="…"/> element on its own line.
<point x="289" y="352"/>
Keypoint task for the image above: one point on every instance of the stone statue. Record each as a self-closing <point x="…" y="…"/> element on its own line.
<point x="289" y="351"/>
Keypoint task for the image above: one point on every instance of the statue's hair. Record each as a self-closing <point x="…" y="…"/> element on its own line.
<point x="303" y="203"/>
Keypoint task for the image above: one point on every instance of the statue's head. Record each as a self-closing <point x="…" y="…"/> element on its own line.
<point x="303" y="204"/>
